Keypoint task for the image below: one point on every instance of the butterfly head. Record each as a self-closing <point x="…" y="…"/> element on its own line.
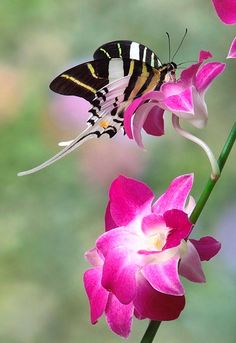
<point x="170" y="72"/>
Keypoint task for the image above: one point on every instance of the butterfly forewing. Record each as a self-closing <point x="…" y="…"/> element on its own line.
<point x="126" y="49"/>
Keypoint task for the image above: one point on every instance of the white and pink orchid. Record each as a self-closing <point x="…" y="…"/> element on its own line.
<point x="137" y="262"/>
<point x="185" y="98"/>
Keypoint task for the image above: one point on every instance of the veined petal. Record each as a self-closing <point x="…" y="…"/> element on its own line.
<point x="181" y="227"/>
<point x="190" y="265"/>
<point x="164" y="277"/>
<point x="207" y="247"/>
<point x="175" y="196"/>
<point x="97" y="295"/>
<point x="181" y="102"/>
<point x="119" y="274"/>
<point x="119" y="316"/>
<point x="207" y="74"/>
<point x="154" y="305"/>
<point x="226" y="10"/>
<point x="128" y="199"/>
<point x="232" y="50"/>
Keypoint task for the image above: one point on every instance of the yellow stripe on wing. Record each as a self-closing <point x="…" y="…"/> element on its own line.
<point x="79" y="83"/>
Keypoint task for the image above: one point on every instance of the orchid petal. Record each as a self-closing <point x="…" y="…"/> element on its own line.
<point x="207" y="247"/>
<point x="119" y="274"/>
<point x="175" y="196"/>
<point x="190" y="206"/>
<point x="226" y="10"/>
<point x="164" y="277"/>
<point x="119" y="316"/>
<point x="181" y="102"/>
<point x="232" y="50"/>
<point x="109" y="221"/>
<point x="144" y="118"/>
<point x="97" y="295"/>
<point x="94" y="258"/>
<point x="139" y="119"/>
<point x="181" y="227"/>
<point x="190" y="265"/>
<point x="188" y="74"/>
<point x="117" y="237"/>
<point x="128" y="199"/>
<point x="152" y="223"/>
<point x="129" y="112"/>
<point x="154" y="305"/>
<point x="207" y="74"/>
<point x="154" y="123"/>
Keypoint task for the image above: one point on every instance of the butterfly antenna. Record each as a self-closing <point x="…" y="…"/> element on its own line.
<point x="180" y="44"/>
<point x="168" y="37"/>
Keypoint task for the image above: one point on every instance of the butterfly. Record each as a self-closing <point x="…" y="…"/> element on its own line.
<point x="120" y="72"/>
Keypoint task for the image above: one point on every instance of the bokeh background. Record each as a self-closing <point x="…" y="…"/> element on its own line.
<point x="48" y="220"/>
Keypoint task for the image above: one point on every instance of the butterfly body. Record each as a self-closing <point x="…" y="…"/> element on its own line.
<point x="120" y="72"/>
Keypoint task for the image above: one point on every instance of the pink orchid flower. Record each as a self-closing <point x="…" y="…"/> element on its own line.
<point x="137" y="262"/>
<point x="226" y="10"/>
<point x="232" y="50"/>
<point x="185" y="98"/>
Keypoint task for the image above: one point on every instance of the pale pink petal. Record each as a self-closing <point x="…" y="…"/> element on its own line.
<point x="226" y="10"/>
<point x="94" y="257"/>
<point x="129" y="198"/>
<point x="232" y="50"/>
<point x="176" y="194"/>
<point x="181" y="227"/>
<point x="152" y="223"/>
<point x="200" y="117"/>
<point x="154" y="123"/>
<point x="190" y="265"/>
<point x="117" y="237"/>
<point x="139" y="119"/>
<point x="119" y="316"/>
<point x="207" y="247"/>
<point x="97" y="295"/>
<point x="154" y="305"/>
<point x="190" y="205"/>
<point x="109" y="221"/>
<point x="164" y="277"/>
<point x="207" y="74"/>
<point x="119" y="274"/>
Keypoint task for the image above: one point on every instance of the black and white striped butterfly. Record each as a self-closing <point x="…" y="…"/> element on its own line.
<point x="120" y="72"/>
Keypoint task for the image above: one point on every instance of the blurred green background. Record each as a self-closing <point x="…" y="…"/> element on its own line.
<point x="48" y="220"/>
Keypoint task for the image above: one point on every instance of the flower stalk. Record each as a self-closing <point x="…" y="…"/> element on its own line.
<point x="154" y="325"/>
<point x="214" y="165"/>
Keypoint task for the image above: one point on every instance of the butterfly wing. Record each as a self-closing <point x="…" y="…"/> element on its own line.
<point x="109" y="83"/>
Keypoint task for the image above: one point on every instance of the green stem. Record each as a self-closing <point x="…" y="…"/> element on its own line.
<point x="154" y="325"/>
<point x="151" y="331"/>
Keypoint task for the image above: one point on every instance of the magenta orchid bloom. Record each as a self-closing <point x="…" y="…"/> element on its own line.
<point x="226" y="10"/>
<point x="232" y="50"/>
<point x="185" y="98"/>
<point x="137" y="262"/>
